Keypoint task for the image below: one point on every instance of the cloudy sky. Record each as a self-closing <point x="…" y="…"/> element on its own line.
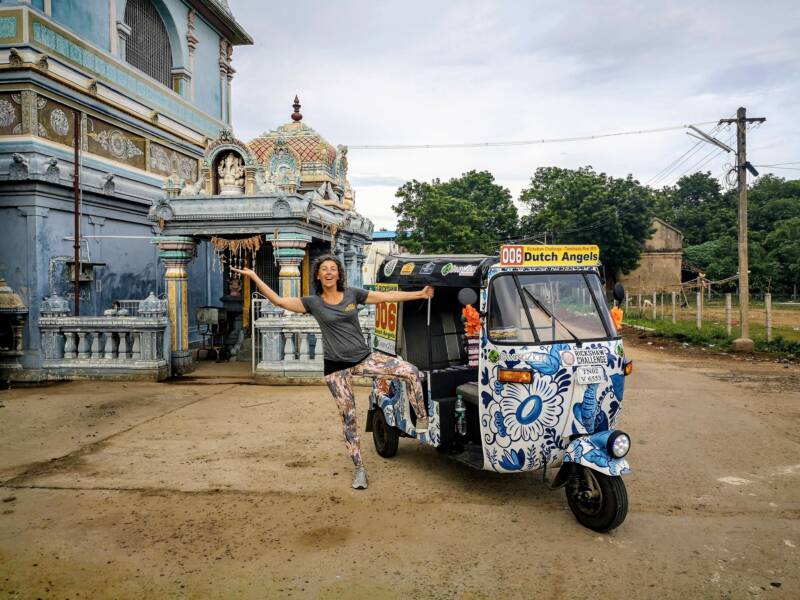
<point x="439" y="72"/>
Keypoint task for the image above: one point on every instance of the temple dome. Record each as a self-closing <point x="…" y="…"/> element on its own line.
<point x="296" y="152"/>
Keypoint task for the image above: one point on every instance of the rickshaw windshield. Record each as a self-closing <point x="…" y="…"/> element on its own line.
<point x="548" y="308"/>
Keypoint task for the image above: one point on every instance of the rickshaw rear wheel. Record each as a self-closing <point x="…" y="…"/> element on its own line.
<point x="385" y="437"/>
<point x="598" y="501"/>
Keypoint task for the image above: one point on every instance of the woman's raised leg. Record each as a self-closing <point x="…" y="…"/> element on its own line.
<point x="392" y="367"/>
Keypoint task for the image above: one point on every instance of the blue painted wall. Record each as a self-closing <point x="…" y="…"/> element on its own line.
<point x="89" y="20"/>
<point x="206" y="69"/>
<point x="34" y="252"/>
<point x="38" y="4"/>
<point x="86" y="19"/>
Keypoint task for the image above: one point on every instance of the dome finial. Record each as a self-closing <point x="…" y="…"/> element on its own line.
<point x="296" y="116"/>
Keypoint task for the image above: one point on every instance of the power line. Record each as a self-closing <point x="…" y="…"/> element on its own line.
<point x="682" y="159"/>
<point x="711" y="155"/>
<point x="596" y="136"/>
<point x="779" y="164"/>
<point x="666" y="170"/>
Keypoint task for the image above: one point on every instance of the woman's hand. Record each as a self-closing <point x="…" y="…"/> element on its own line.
<point x="246" y="272"/>
<point x="427" y="292"/>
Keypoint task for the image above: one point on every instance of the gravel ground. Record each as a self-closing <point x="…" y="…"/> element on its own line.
<point x="212" y="487"/>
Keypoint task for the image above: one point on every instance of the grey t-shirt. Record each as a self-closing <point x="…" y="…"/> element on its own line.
<point x="341" y="334"/>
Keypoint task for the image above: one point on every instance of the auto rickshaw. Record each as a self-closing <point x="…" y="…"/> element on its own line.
<point x="547" y="387"/>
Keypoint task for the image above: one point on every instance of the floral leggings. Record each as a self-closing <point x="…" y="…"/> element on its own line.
<point x="375" y="365"/>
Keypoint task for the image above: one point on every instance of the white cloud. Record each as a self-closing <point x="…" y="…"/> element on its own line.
<point x="466" y="71"/>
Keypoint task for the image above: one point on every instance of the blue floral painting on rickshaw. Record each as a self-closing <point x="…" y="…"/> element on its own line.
<point x="527" y="426"/>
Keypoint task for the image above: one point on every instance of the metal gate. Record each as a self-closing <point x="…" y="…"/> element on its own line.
<point x="148" y="48"/>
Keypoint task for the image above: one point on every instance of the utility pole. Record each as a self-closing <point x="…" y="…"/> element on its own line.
<point x="76" y="187"/>
<point x="743" y="343"/>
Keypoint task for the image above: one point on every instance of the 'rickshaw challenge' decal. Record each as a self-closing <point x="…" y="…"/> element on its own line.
<point x="527" y="426"/>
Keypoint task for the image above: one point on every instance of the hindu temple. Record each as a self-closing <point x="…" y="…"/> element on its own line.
<point x="125" y="197"/>
<point x="273" y="204"/>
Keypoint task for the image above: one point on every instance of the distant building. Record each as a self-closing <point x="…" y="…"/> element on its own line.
<point x="659" y="268"/>
<point x="383" y="244"/>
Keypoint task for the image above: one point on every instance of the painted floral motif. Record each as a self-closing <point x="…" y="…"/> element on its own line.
<point x="165" y="162"/>
<point x="59" y="122"/>
<point x="592" y="453"/>
<point x="115" y="142"/>
<point x="7" y="113"/>
<point x="159" y="160"/>
<point x="528" y="409"/>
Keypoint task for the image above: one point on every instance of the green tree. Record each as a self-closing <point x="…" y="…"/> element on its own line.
<point x="467" y="214"/>
<point x="697" y="206"/>
<point x="782" y="248"/>
<point x="581" y="206"/>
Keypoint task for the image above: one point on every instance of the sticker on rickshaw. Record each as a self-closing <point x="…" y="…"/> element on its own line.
<point x="427" y="268"/>
<point x="590" y="356"/>
<point x="407" y="269"/>
<point x="388" y="268"/>
<point x="549" y="256"/>
<point x="386" y="321"/>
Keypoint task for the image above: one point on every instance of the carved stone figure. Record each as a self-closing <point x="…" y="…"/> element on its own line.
<point x="328" y="196"/>
<point x="53" y="172"/>
<point x="18" y="169"/>
<point x="108" y="184"/>
<point x="267" y="187"/>
<point x="194" y="189"/>
<point x="231" y="175"/>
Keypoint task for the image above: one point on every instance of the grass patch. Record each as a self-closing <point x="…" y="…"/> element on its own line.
<point x="714" y="335"/>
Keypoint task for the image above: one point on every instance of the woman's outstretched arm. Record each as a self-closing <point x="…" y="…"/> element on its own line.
<point x="378" y="297"/>
<point x="292" y="304"/>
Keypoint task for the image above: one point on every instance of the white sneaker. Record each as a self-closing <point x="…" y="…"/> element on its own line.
<point x="360" y="479"/>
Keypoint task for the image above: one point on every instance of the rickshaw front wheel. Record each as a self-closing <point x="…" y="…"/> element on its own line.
<point x="598" y="501"/>
<point x="385" y="437"/>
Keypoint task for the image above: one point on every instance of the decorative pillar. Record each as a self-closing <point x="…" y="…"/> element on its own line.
<point x="29" y="104"/>
<point x="191" y="41"/>
<point x="359" y="249"/>
<point x="180" y="80"/>
<point x="123" y="35"/>
<point x="223" y="80"/>
<point x="350" y="265"/>
<point x="176" y="252"/>
<point x="290" y="249"/>
<point x="231" y="71"/>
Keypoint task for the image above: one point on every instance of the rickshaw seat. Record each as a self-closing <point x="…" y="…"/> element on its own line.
<point x="469" y="392"/>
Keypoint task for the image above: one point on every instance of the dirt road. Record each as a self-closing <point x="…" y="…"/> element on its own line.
<point x="213" y="488"/>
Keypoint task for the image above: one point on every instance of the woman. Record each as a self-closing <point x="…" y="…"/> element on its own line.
<point x="335" y="307"/>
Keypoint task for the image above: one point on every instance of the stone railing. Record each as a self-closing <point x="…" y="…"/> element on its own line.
<point x="113" y="347"/>
<point x="290" y="345"/>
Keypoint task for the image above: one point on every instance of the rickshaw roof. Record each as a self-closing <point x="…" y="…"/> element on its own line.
<point x="440" y="270"/>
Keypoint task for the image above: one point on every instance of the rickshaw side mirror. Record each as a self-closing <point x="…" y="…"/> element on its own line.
<point x="467" y="296"/>
<point x="619" y="292"/>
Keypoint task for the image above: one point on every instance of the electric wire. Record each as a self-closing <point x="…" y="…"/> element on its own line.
<point x="708" y="157"/>
<point x="523" y="142"/>
<point x="676" y="164"/>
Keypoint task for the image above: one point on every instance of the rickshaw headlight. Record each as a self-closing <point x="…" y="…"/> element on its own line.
<point x="618" y="444"/>
<point x="514" y="375"/>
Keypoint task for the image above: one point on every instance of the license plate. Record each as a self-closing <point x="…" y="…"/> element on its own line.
<point x="588" y="375"/>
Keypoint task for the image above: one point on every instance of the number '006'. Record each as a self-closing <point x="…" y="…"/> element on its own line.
<point x="511" y="255"/>
<point x="386" y="316"/>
